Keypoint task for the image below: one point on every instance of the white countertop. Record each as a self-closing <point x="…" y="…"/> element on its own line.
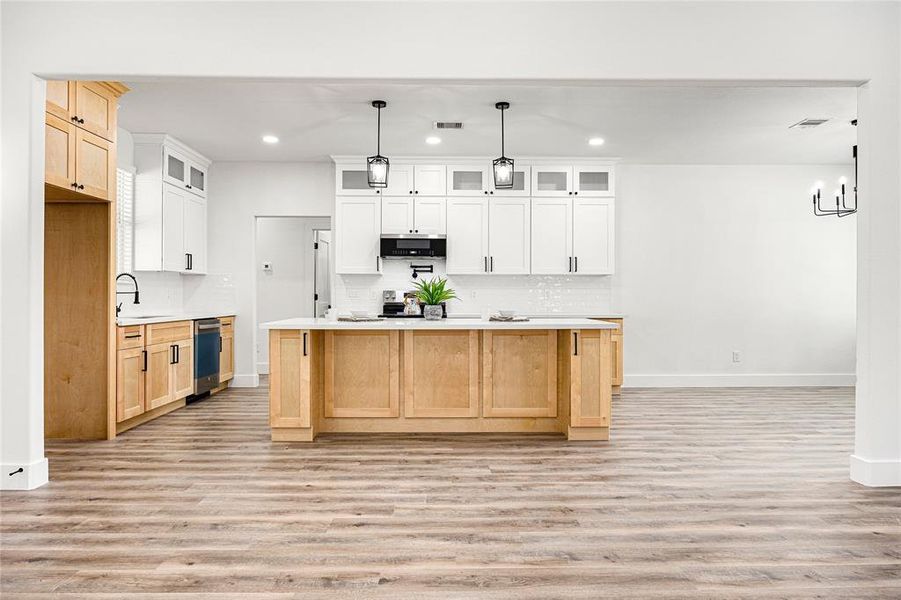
<point x="180" y="316"/>
<point x="449" y="323"/>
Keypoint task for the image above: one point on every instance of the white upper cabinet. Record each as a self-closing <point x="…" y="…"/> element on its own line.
<point x="593" y="181"/>
<point x="552" y="236"/>
<point x="552" y="181"/>
<point x="469" y="180"/>
<point x="467" y="236"/>
<point x="357" y="231"/>
<point x="522" y="182"/>
<point x="430" y="215"/>
<point x="397" y="214"/>
<point x="509" y="234"/>
<point x="400" y="180"/>
<point x="170" y="228"/>
<point x="430" y="180"/>
<point x="352" y="180"/>
<point x="593" y="236"/>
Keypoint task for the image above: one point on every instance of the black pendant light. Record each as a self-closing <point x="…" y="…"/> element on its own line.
<point x="377" y="166"/>
<point x="503" y="166"/>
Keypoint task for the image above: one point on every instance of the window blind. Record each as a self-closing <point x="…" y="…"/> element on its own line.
<point x="125" y="220"/>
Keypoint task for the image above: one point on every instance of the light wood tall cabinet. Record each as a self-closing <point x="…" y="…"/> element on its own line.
<point x="226" y="349"/>
<point x="80" y="361"/>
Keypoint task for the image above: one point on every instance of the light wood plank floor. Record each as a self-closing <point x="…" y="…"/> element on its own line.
<point x="701" y="493"/>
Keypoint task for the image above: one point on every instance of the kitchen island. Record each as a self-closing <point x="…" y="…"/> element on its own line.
<point x="447" y="376"/>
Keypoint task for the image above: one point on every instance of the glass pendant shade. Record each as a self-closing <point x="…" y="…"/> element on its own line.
<point x="377" y="166"/>
<point x="377" y="171"/>
<point x="503" y="173"/>
<point x="503" y="166"/>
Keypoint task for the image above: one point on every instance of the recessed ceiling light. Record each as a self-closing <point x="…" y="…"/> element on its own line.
<point x="432" y="140"/>
<point x="270" y="139"/>
<point x="596" y="141"/>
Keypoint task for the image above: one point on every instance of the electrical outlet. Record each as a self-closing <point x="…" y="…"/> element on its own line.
<point x="736" y="356"/>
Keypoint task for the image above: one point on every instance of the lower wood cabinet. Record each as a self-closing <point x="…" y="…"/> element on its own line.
<point x="441" y="373"/>
<point x="129" y="383"/>
<point x="590" y="377"/>
<point x="293" y="377"/>
<point x="362" y="376"/>
<point x="227" y="349"/>
<point x="519" y="373"/>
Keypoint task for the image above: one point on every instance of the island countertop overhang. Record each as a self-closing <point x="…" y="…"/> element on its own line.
<point x="443" y="324"/>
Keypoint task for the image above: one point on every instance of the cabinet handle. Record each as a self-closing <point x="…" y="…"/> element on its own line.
<point x="220" y="344"/>
<point x="492" y="264"/>
<point x="575" y="343"/>
<point x="75" y="185"/>
<point x="80" y="186"/>
<point x="570" y="264"/>
<point x="486" y="264"/>
<point x="378" y="264"/>
<point x="144" y="355"/>
<point x="80" y="120"/>
<point x="177" y="354"/>
<point x="304" y="343"/>
<point x="171" y="354"/>
<point x="132" y="336"/>
<point x="74" y="119"/>
<point x="577" y="265"/>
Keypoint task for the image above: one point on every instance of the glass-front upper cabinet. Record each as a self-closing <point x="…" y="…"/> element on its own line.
<point x="197" y="179"/>
<point x="522" y="182"/>
<point x="352" y="180"/>
<point x="551" y="181"/>
<point x="175" y="167"/>
<point x="593" y="181"/>
<point x="469" y="180"/>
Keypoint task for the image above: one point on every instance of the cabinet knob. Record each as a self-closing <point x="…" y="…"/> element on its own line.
<point x="491" y="192"/>
<point x="75" y="185"/>
<point x="81" y="120"/>
<point x="486" y="192"/>
<point x="378" y="191"/>
<point x="576" y="193"/>
<point x="81" y="187"/>
<point x="416" y="192"/>
<point x="570" y="193"/>
<point x="417" y="231"/>
<point x="74" y="119"/>
<point x="411" y="191"/>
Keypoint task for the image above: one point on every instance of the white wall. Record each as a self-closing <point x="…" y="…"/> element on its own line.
<point x="286" y="290"/>
<point x="610" y="41"/>
<point x="239" y="192"/>
<point x="716" y="259"/>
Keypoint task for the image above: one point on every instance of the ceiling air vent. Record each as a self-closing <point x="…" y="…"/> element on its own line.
<point x="448" y="125"/>
<point x="808" y="123"/>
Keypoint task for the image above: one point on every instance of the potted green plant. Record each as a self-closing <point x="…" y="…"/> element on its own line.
<point x="431" y="294"/>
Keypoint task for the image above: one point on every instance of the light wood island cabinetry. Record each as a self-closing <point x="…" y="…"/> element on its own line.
<point x="544" y="376"/>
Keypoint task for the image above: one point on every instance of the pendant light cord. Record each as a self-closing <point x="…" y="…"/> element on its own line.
<point x="502" y="132"/>
<point x="378" y="135"/>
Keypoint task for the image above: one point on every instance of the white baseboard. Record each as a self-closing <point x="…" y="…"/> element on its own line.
<point x="32" y="475"/>
<point x="262" y="368"/>
<point x="876" y="473"/>
<point x="743" y="380"/>
<point x="246" y="381"/>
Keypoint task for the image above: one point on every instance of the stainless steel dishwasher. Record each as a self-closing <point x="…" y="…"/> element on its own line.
<point x="207" y="343"/>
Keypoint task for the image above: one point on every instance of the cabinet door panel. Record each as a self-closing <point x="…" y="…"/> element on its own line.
<point x="196" y="180"/>
<point x="195" y="235"/>
<point x="467" y="235"/>
<point x="175" y="168"/>
<point x="430" y="180"/>
<point x="362" y="374"/>
<point x="430" y="215"/>
<point x="357" y="231"/>
<point x="174" y="258"/>
<point x="441" y="373"/>
<point x="59" y="149"/>
<point x="397" y="214"/>
<point x="468" y="180"/>
<point x="400" y="181"/>
<point x="290" y="384"/>
<point x="509" y="236"/>
<point x="61" y="99"/>
<point x="550" y="181"/>
<point x="522" y="182"/>
<point x="551" y="236"/>
<point x="95" y="107"/>
<point x="227" y="358"/>
<point x="593" y="181"/>
<point x="593" y="237"/>
<point x="183" y="370"/>
<point x="352" y="180"/>
<point x="519" y="373"/>
<point x="129" y="383"/>
<point x="590" y="378"/>
<point x="95" y="165"/>
<point x="158" y="377"/>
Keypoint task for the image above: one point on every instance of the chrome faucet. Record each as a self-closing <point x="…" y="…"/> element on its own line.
<point x="137" y="299"/>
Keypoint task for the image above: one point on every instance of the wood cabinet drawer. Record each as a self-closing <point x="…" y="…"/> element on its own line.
<point x="226" y="324"/>
<point x="129" y="336"/>
<point x="160" y="333"/>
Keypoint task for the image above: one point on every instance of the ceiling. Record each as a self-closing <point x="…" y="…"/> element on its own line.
<point x="665" y="124"/>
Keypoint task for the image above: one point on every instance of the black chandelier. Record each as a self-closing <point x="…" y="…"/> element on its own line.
<point x="503" y="166"/>
<point x="841" y="207"/>
<point x="377" y="166"/>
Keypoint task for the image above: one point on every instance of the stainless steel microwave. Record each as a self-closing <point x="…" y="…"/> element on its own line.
<point x="413" y="245"/>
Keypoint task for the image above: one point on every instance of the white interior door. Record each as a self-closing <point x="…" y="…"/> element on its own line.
<point x="430" y="215"/>
<point x="467" y="235"/>
<point x="430" y="180"/>
<point x="357" y="231"/>
<point x="593" y="238"/>
<point x="400" y="181"/>
<point x="174" y="256"/>
<point x="552" y="236"/>
<point x="509" y="232"/>
<point x="322" y="295"/>
<point x="397" y="214"/>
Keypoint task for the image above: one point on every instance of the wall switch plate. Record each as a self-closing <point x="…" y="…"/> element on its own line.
<point x="736" y="356"/>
